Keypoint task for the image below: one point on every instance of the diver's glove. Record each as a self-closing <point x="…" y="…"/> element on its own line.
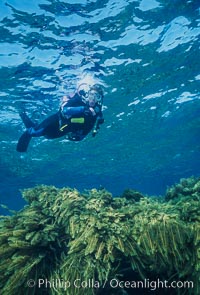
<point x="88" y="111"/>
<point x="92" y="111"/>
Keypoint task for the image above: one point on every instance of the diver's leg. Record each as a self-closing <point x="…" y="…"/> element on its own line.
<point x="45" y="128"/>
<point x="34" y="132"/>
<point x="24" y="140"/>
<point x="32" y="128"/>
<point x="49" y="127"/>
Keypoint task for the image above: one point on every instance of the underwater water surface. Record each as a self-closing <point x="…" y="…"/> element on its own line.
<point x="144" y="52"/>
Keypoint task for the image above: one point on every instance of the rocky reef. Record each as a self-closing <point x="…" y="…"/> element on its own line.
<point x="67" y="242"/>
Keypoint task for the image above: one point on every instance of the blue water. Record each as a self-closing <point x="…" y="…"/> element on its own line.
<point x="144" y="52"/>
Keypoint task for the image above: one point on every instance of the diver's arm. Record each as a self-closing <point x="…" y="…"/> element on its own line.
<point x="73" y="107"/>
<point x="73" y="111"/>
<point x="69" y="112"/>
<point x="99" y="121"/>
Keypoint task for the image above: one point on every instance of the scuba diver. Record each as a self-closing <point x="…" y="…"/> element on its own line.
<point x="77" y="116"/>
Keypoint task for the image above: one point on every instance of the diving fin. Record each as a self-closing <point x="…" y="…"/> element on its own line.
<point x="26" y="120"/>
<point x="23" y="142"/>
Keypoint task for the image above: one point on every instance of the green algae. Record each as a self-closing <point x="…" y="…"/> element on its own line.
<point x="62" y="233"/>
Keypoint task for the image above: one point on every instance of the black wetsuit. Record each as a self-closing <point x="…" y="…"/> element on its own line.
<point x="58" y="125"/>
<point x="76" y="126"/>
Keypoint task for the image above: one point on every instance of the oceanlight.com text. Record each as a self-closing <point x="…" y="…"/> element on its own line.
<point x="152" y="285"/>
